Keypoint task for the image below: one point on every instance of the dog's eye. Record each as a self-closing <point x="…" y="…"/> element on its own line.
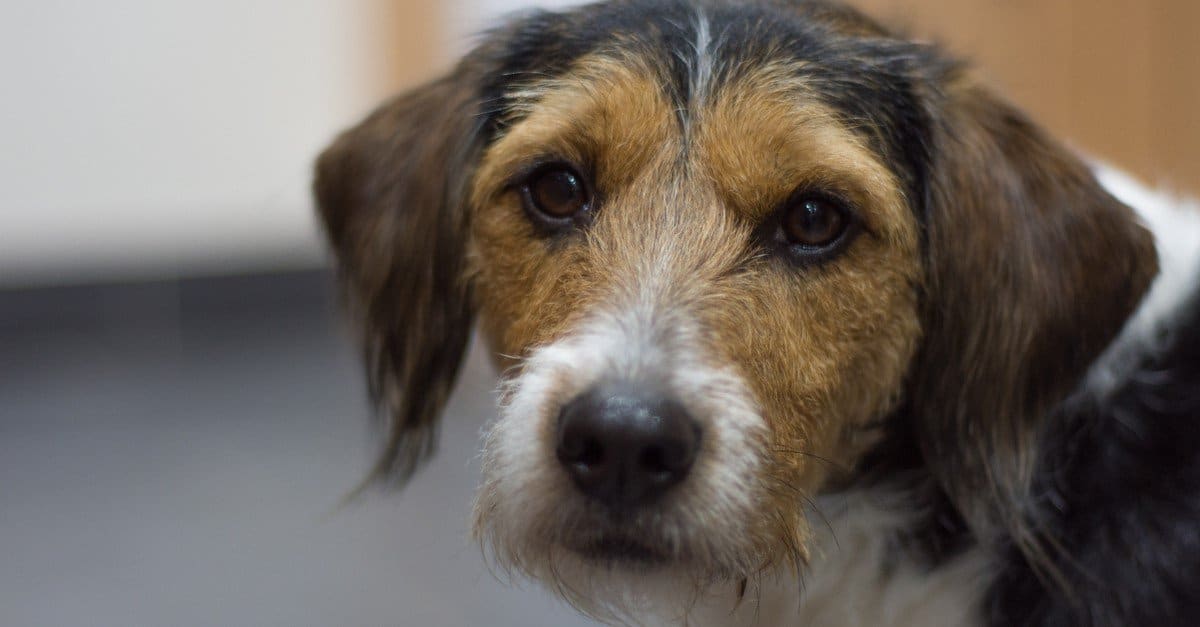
<point x="558" y="193"/>
<point x="815" y="226"/>
<point x="815" y="222"/>
<point x="556" y="197"/>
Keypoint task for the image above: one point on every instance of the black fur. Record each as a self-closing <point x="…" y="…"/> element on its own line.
<point x="1119" y="492"/>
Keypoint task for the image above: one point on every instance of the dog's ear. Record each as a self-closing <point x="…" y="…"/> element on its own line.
<point x="1033" y="268"/>
<point x="391" y="194"/>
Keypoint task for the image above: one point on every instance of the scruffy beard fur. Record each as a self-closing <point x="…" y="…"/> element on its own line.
<point x="533" y="522"/>
<point x="852" y="576"/>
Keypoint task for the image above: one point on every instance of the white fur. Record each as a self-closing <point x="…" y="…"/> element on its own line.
<point x="860" y="579"/>
<point x="1175" y="224"/>
<point x="702" y="70"/>
<point x="857" y="578"/>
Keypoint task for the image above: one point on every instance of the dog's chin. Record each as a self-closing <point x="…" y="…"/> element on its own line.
<point x="620" y="579"/>
<point x="652" y="563"/>
<point x="575" y="537"/>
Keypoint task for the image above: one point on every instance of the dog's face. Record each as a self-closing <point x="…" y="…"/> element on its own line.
<point x="723" y="251"/>
<point x="741" y="263"/>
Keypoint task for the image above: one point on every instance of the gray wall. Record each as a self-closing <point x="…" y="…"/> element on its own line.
<point x="174" y="454"/>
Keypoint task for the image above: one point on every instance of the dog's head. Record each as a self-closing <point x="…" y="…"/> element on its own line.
<point x="723" y="251"/>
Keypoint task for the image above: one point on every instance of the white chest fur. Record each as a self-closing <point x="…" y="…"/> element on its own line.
<point x="855" y="579"/>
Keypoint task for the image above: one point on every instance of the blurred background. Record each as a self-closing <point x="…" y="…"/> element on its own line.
<point x="180" y="407"/>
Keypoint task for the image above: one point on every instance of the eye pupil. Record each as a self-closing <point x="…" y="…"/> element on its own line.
<point x="814" y="222"/>
<point x="557" y="193"/>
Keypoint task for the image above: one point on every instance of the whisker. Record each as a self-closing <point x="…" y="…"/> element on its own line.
<point x="836" y="465"/>
<point x="812" y="504"/>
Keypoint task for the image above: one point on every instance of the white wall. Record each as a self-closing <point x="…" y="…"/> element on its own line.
<point x="149" y="138"/>
<point x="469" y="17"/>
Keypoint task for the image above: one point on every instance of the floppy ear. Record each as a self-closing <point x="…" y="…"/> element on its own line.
<point x="391" y="194"/>
<point x="1032" y="270"/>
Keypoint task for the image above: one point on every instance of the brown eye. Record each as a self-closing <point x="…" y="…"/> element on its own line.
<point x="815" y="222"/>
<point x="556" y="197"/>
<point x="812" y="227"/>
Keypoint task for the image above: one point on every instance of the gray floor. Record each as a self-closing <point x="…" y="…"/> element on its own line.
<point x="174" y="454"/>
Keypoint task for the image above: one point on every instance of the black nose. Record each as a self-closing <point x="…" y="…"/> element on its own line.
<point x="625" y="446"/>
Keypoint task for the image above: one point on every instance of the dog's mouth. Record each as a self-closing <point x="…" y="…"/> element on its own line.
<point x="622" y="549"/>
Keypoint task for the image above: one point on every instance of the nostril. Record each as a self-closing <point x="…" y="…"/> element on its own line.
<point x="579" y="445"/>
<point x="665" y="459"/>
<point x="662" y="460"/>
<point x="653" y="460"/>
<point x="591" y="453"/>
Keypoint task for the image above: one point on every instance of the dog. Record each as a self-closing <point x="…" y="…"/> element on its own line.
<point x="799" y="324"/>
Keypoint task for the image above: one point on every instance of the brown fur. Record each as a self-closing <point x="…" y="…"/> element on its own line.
<point x="608" y="119"/>
<point x="390" y="194"/>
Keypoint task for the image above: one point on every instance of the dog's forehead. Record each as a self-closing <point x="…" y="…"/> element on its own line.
<point x="869" y="79"/>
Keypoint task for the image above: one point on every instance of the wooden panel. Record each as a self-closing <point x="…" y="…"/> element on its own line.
<point x="1119" y="79"/>
<point x="417" y="48"/>
<point x="1175" y="95"/>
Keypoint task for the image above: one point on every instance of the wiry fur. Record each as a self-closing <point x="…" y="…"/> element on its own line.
<point x="403" y="271"/>
<point x="959" y="419"/>
<point x="529" y="519"/>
